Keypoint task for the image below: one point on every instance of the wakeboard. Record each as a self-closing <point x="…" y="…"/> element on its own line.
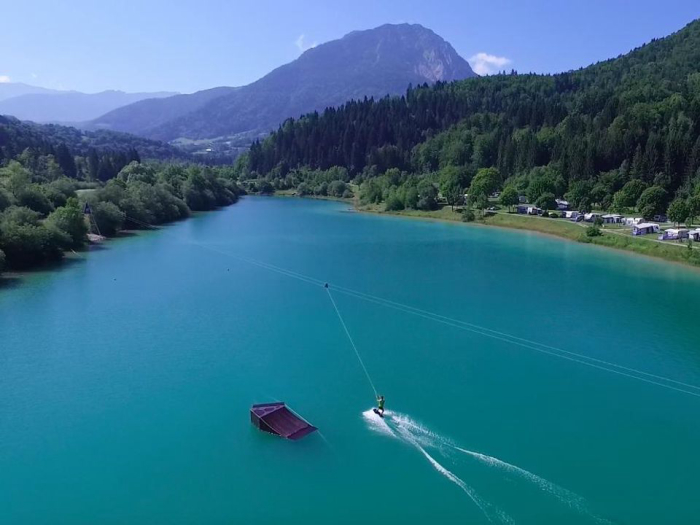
<point x="378" y="412"/>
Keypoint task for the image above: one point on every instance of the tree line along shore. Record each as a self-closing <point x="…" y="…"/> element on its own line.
<point x="482" y="203"/>
<point x="44" y="213"/>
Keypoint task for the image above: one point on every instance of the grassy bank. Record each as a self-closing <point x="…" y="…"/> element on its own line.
<point x="612" y="238"/>
<point x="292" y="193"/>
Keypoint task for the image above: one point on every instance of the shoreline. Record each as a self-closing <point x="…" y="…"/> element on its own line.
<point x="555" y="229"/>
<point x="577" y="235"/>
<point x="9" y="277"/>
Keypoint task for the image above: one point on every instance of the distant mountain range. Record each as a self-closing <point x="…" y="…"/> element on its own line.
<point x="16" y="89"/>
<point x="38" y="104"/>
<point x="371" y="63"/>
<point x="142" y="118"/>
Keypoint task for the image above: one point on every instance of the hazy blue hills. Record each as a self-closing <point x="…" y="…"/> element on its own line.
<point x="144" y="117"/>
<point x="16" y="89"/>
<point x="43" y="105"/>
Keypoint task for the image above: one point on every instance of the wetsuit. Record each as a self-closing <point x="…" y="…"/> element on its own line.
<point x="380" y="404"/>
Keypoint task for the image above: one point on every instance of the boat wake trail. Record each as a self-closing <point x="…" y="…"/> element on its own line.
<point x="403" y="433"/>
<point x="402" y="427"/>
<point x="571" y="499"/>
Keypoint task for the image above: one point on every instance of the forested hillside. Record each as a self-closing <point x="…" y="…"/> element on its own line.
<point x="587" y="134"/>
<point x="16" y="136"/>
<point x="49" y="173"/>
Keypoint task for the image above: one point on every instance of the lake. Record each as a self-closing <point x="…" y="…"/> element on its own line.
<point x="572" y="396"/>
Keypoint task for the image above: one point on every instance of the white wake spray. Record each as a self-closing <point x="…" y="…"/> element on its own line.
<point x="402" y="432"/>
<point x="403" y="427"/>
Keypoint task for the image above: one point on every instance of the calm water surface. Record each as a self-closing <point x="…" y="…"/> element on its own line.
<point x="126" y="378"/>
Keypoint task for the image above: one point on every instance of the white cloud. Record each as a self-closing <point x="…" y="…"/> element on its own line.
<point x="485" y="64"/>
<point x="4" y="79"/>
<point x="302" y="45"/>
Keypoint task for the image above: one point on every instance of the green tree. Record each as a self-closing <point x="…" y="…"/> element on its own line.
<point x="337" y="188"/>
<point x="49" y="169"/>
<point x="546" y="201"/>
<point x="426" y="204"/>
<point x="693" y="207"/>
<point x="509" y="197"/>
<point x="93" y="164"/>
<point x="55" y="196"/>
<point x="394" y="203"/>
<point x="593" y="231"/>
<point x="137" y="172"/>
<point x="628" y="195"/>
<point x="481" y="202"/>
<point x="65" y="160"/>
<point x="539" y="186"/>
<point x="427" y="196"/>
<point x="108" y="217"/>
<point x="678" y="211"/>
<point x="652" y="202"/>
<point x="266" y="188"/>
<point x="26" y="242"/>
<point x="64" y="185"/>
<point x="303" y="189"/>
<point x="411" y="197"/>
<point x="16" y="176"/>
<point x="370" y="192"/>
<point x="32" y="197"/>
<point x="196" y="192"/>
<point x="579" y="195"/>
<point x="451" y="185"/>
<point x="601" y="194"/>
<point x="107" y="170"/>
<point x="485" y="182"/>
<point x="70" y="219"/>
<point x="6" y="199"/>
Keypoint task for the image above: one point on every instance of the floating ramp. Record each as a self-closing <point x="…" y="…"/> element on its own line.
<point x="278" y="419"/>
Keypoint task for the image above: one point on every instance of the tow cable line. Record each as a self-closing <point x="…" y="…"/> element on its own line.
<point x="352" y="343"/>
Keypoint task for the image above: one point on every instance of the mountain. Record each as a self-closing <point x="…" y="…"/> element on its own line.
<point x="600" y="136"/>
<point x="17" y="89"/>
<point x="371" y="63"/>
<point x="145" y="116"/>
<point x="69" y="106"/>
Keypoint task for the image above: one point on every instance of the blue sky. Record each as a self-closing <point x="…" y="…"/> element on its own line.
<point x="183" y="45"/>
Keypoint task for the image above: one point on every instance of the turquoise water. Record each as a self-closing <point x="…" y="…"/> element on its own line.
<point x="126" y="378"/>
